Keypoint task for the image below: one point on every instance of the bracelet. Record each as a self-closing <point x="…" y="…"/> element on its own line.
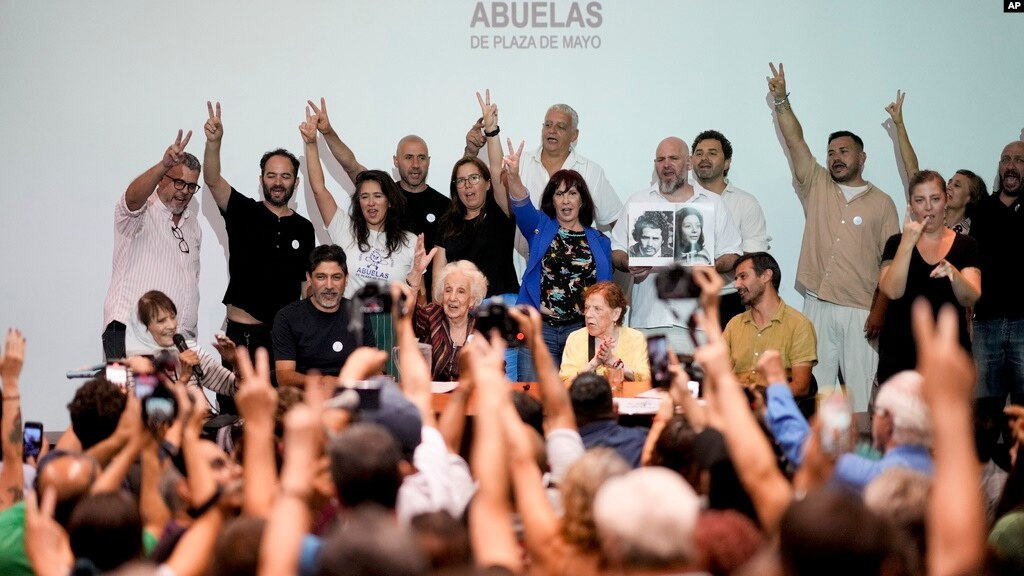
<point x="493" y="133"/>
<point x="197" y="511"/>
<point x="295" y="493"/>
<point x="783" y="99"/>
<point x="12" y="396"/>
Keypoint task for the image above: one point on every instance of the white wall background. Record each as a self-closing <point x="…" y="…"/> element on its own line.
<point x="94" y="91"/>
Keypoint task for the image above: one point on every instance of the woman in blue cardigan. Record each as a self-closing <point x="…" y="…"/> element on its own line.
<point x="567" y="255"/>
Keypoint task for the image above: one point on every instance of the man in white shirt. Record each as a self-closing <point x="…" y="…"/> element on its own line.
<point x="557" y="152"/>
<point x="156" y="245"/>
<point x="711" y="158"/>
<point x="647" y="312"/>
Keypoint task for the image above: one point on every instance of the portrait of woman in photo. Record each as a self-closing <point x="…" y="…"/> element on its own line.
<point x="690" y="248"/>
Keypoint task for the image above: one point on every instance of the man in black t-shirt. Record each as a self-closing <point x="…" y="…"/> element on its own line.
<point x="314" y="333"/>
<point x="268" y="242"/>
<point x="997" y="223"/>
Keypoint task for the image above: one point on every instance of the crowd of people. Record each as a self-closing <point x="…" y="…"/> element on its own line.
<point x="328" y="452"/>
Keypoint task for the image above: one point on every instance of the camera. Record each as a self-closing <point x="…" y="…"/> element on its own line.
<point x="366" y="394"/>
<point x="676" y="283"/>
<point x="159" y="405"/>
<point x="375" y="298"/>
<point x="494" y="316"/>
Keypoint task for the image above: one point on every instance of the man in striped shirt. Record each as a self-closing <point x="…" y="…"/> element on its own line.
<point x="156" y="245"/>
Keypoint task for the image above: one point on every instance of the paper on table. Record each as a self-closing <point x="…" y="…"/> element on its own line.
<point x="443" y="387"/>
<point x="632" y="406"/>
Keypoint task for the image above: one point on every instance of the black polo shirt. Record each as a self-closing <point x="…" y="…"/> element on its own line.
<point x="423" y="213"/>
<point x="267" y="256"/>
<point x="999" y="230"/>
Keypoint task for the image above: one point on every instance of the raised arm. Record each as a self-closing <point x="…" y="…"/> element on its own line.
<point x="290" y="518"/>
<point x="955" y="523"/>
<point x="907" y="154"/>
<point x="510" y="171"/>
<point x="554" y="396"/>
<point x="257" y="403"/>
<point x="793" y="134"/>
<point x="12" y="479"/>
<point x="325" y="202"/>
<point x="475" y="139"/>
<point x="145" y="184"/>
<point x="420" y="264"/>
<point x="489" y="115"/>
<point x="749" y="449"/>
<point x="414" y="368"/>
<point x="491" y="531"/>
<point x="218" y="186"/>
<point x="342" y="153"/>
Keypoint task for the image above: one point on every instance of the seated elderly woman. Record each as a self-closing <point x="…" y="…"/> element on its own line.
<point x="151" y="330"/>
<point x="604" y="342"/>
<point x="446" y="323"/>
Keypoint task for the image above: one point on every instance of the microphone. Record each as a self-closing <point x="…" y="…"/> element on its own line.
<point x="179" y="343"/>
<point x="90" y="372"/>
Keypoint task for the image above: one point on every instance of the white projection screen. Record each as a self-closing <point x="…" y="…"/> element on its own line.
<point x="93" y="92"/>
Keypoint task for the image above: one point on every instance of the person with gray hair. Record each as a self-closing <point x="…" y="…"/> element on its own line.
<point x="156" y="245"/>
<point x="556" y="152"/>
<point x="646" y="520"/>
<point x="446" y="323"/>
<point x="900" y="429"/>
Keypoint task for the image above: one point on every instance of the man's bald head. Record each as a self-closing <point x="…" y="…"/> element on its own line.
<point x="70" y="475"/>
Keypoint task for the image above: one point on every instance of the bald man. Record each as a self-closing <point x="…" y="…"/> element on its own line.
<point x="647" y="312"/>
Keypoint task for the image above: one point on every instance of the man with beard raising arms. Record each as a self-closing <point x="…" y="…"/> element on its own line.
<point x="998" y="344"/>
<point x="848" y="223"/>
<point x="268" y="242"/>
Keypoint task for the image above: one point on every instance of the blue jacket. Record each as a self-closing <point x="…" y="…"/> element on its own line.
<point x="540" y="230"/>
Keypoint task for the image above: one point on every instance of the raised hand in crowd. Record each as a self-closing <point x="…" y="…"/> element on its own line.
<point x="256" y="400"/>
<point x="12" y="479"/>
<point x="956" y="516"/>
<point x="47" y="545"/>
<point x="491" y="531"/>
<point x="290" y="517"/>
<point x="749" y="448"/>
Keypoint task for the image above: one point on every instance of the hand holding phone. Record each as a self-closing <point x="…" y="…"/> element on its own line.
<point x="657" y="355"/>
<point x="32" y="439"/>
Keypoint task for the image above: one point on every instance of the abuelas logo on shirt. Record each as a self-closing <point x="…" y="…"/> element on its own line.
<point x="371" y="263"/>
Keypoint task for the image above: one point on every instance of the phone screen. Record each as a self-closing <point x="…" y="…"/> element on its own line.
<point x="657" y="353"/>
<point x="33" y="439"/>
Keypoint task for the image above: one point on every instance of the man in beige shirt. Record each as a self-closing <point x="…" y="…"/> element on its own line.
<point x="848" y="222"/>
